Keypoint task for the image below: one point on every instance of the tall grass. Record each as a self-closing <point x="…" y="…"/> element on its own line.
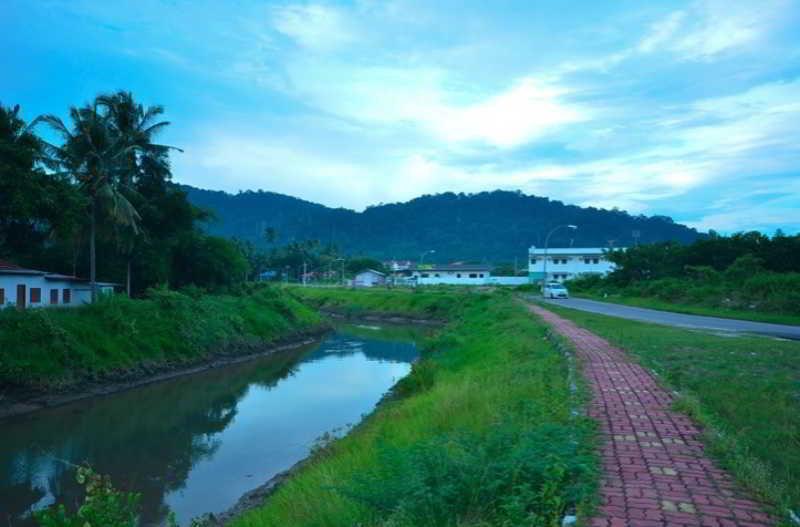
<point x="481" y="433"/>
<point x="50" y="348"/>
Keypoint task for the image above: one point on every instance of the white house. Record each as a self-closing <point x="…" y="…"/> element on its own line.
<point x="369" y="278"/>
<point x="566" y="263"/>
<point x="453" y="274"/>
<point x="24" y="288"/>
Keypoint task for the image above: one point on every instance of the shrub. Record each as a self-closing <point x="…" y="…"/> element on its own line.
<point x="503" y="477"/>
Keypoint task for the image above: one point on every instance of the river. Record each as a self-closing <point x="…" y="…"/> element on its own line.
<point x="196" y="443"/>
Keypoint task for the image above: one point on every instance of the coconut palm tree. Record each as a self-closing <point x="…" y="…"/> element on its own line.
<point x="138" y="125"/>
<point x="94" y="154"/>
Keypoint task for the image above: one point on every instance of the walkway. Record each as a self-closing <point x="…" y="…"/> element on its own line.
<point x="654" y="469"/>
<point x="669" y="318"/>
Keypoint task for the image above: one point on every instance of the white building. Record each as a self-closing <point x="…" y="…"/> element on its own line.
<point x="369" y="278"/>
<point x="567" y="263"/>
<point x="454" y="274"/>
<point x="23" y="288"/>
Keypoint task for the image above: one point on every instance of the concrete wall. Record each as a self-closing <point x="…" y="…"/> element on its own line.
<point x="508" y="280"/>
<point x="368" y="279"/>
<point x="451" y="277"/>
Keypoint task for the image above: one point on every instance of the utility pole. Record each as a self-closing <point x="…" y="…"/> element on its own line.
<point x="305" y="266"/>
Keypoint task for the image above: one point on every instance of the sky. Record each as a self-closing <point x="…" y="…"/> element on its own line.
<point x="686" y="109"/>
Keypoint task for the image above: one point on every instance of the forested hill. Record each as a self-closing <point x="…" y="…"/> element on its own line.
<point x="489" y="226"/>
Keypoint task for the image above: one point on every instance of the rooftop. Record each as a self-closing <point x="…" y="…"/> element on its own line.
<point x="573" y="250"/>
<point x="452" y="267"/>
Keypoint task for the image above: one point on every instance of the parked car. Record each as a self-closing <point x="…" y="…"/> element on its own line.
<point x="555" y="290"/>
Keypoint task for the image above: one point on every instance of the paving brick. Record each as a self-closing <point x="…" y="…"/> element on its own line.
<point x="655" y="469"/>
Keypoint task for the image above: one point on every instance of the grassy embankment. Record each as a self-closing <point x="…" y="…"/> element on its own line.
<point x="745" y="390"/>
<point x="691" y="309"/>
<point x="55" y="348"/>
<point x="480" y="433"/>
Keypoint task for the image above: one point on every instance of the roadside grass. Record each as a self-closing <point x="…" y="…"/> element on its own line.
<point x="693" y="309"/>
<point x="54" y="348"/>
<point x="481" y="432"/>
<point x="744" y="390"/>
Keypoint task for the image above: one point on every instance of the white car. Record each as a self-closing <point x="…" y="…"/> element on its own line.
<point x="555" y="290"/>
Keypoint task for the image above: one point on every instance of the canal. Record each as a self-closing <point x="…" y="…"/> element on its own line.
<point x="195" y="444"/>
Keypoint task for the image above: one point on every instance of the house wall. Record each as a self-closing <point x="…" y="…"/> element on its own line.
<point x="9" y="283"/>
<point x="451" y="277"/>
<point x="508" y="280"/>
<point x="368" y="279"/>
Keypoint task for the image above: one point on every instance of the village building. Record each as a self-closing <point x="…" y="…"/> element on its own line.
<point x="567" y="263"/>
<point x="369" y="278"/>
<point x="23" y="288"/>
<point x="452" y="274"/>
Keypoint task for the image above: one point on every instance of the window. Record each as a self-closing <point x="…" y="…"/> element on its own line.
<point x="424" y="275"/>
<point x="36" y="295"/>
<point x="436" y="275"/>
<point x="596" y="260"/>
<point x="534" y="260"/>
<point x="54" y="296"/>
<point x="66" y="296"/>
<point x="481" y="275"/>
<point x="2" y="296"/>
<point x="473" y="275"/>
<point x="458" y="275"/>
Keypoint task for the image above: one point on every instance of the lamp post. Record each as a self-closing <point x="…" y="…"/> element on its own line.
<point x="546" y="243"/>
<point x="422" y="257"/>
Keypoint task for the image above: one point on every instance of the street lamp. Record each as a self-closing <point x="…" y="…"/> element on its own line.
<point x="546" y="242"/>
<point x="422" y="257"/>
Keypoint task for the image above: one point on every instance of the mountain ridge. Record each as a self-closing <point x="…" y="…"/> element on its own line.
<point x="490" y="226"/>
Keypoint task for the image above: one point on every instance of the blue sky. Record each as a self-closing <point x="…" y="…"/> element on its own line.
<point x="689" y="109"/>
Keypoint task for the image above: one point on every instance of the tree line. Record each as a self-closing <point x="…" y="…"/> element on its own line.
<point x="98" y="201"/>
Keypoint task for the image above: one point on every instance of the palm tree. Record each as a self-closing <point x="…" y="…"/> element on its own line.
<point x="138" y="126"/>
<point x="93" y="153"/>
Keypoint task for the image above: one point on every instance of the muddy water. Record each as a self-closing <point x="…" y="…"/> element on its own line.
<point x="196" y="443"/>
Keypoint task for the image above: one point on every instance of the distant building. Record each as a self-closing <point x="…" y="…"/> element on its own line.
<point x="398" y="265"/>
<point x="453" y="274"/>
<point x="369" y="278"/>
<point x="567" y="263"/>
<point x="23" y="288"/>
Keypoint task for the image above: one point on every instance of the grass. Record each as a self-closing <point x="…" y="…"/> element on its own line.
<point x="53" y="348"/>
<point x="692" y="309"/>
<point x="744" y="390"/>
<point x="479" y="434"/>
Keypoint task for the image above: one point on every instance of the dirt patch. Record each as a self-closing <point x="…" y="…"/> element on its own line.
<point x="22" y="400"/>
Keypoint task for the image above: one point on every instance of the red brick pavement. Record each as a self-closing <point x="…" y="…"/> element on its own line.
<point x="655" y="472"/>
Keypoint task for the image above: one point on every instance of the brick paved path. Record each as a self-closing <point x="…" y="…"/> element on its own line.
<point x="655" y="472"/>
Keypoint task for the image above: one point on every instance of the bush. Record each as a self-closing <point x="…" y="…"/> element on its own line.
<point x="504" y="477"/>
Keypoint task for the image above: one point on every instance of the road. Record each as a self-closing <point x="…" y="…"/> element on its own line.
<point x="679" y="319"/>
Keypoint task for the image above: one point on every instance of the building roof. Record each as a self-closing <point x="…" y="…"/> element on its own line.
<point x="7" y="267"/>
<point x="452" y="267"/>
<point x="371" y="271"/>
<point x="573" y="250"/>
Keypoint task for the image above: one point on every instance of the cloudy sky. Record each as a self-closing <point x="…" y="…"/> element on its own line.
<point x="690" y="109"/>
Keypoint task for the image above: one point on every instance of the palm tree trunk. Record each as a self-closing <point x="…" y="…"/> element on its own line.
<point x="92" y="252"/>
<point x="128" y="278"/>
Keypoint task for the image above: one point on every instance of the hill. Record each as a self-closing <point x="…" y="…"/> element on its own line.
<point x="488" y="226"/>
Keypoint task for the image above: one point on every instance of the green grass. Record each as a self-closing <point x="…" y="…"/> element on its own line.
<point x="51" y="348"/>
<point x="479" y="434"/>
<point x="745" y="390"/>
<point x="691" y="309"/>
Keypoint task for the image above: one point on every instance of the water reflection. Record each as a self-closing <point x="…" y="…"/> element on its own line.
<point x="195" y="444"/>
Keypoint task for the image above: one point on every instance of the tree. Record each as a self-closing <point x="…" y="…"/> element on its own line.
<point x="94" y="154"/>
<point x="35" y="205"/>
<point x="137" y="127"/>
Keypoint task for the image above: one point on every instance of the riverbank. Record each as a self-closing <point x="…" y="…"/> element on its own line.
<point x="55" y="356"/>
<point x="482" y="432"/>
<point x="742" y="390"/>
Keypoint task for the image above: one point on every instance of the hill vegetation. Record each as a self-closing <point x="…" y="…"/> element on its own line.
<point x="490" y="226"/>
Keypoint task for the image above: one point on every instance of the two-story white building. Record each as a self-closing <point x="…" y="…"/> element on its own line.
<point x="23" y="288"/>
<point x="567" y="263"/>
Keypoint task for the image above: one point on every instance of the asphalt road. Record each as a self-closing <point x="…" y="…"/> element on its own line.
<point x="679" y="319"/>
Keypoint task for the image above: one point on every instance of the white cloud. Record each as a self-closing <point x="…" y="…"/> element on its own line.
<point x="316" y="27"/>
<point x="710" y="28"/>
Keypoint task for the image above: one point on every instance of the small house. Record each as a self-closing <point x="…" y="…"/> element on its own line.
<point x="369" y="278"/>
<point x="23" y="288"/>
